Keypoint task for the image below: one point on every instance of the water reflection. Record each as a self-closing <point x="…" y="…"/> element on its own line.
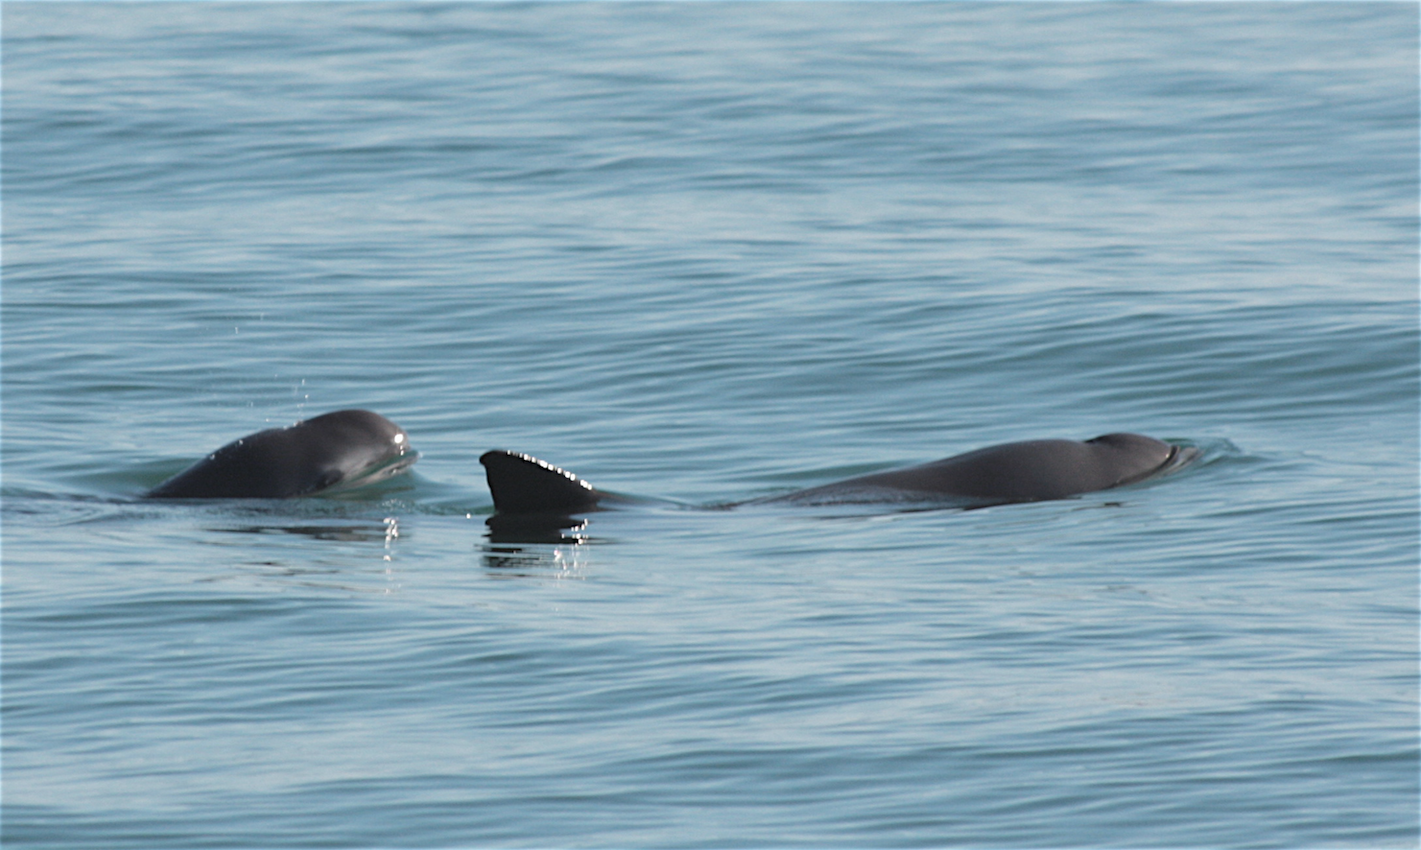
<point x="535" y="528"/>
<point x="346" y="575"/>
<point x="535" y="546"/>
<point x="357" y="531"/>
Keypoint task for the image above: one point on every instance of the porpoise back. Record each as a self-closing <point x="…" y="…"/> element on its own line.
<point x="1028" y="471"/>
<point x="1033" y="470"/>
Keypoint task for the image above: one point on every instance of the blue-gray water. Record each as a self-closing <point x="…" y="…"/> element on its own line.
<point x="710" y="252"/>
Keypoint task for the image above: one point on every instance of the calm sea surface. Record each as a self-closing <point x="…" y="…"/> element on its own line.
<point x="708" y="252"/>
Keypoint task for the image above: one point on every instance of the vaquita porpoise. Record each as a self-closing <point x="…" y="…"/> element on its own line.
<point x="1030" y="471"/>
<point x="334" y="451"/>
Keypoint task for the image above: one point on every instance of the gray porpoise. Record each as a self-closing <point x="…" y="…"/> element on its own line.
<point x="340" y="450"/>
<point x="1034" y="470"/>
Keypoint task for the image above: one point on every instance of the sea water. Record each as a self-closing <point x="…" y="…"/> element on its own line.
<point x="705" y="253"/>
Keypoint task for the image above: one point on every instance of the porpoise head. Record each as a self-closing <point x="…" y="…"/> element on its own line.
<point x="334" y="451"/>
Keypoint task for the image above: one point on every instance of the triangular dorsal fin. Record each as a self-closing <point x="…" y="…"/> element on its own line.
<point x="522" y="484"/>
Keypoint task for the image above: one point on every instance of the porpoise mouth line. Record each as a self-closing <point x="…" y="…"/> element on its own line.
<point x="374" y="475"/>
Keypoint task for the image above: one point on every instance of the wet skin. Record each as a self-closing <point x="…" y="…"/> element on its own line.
<point x="334" y="451"/>
<point x="1034" y="470"/>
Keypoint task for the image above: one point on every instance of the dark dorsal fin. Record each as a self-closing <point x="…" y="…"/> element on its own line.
<point x="522" y="484"/>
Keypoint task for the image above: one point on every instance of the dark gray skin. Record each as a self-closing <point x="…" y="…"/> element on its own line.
<point x="334" y="451"/>
<point x="522" y="484"/>
<point x="1030" y="471"/>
